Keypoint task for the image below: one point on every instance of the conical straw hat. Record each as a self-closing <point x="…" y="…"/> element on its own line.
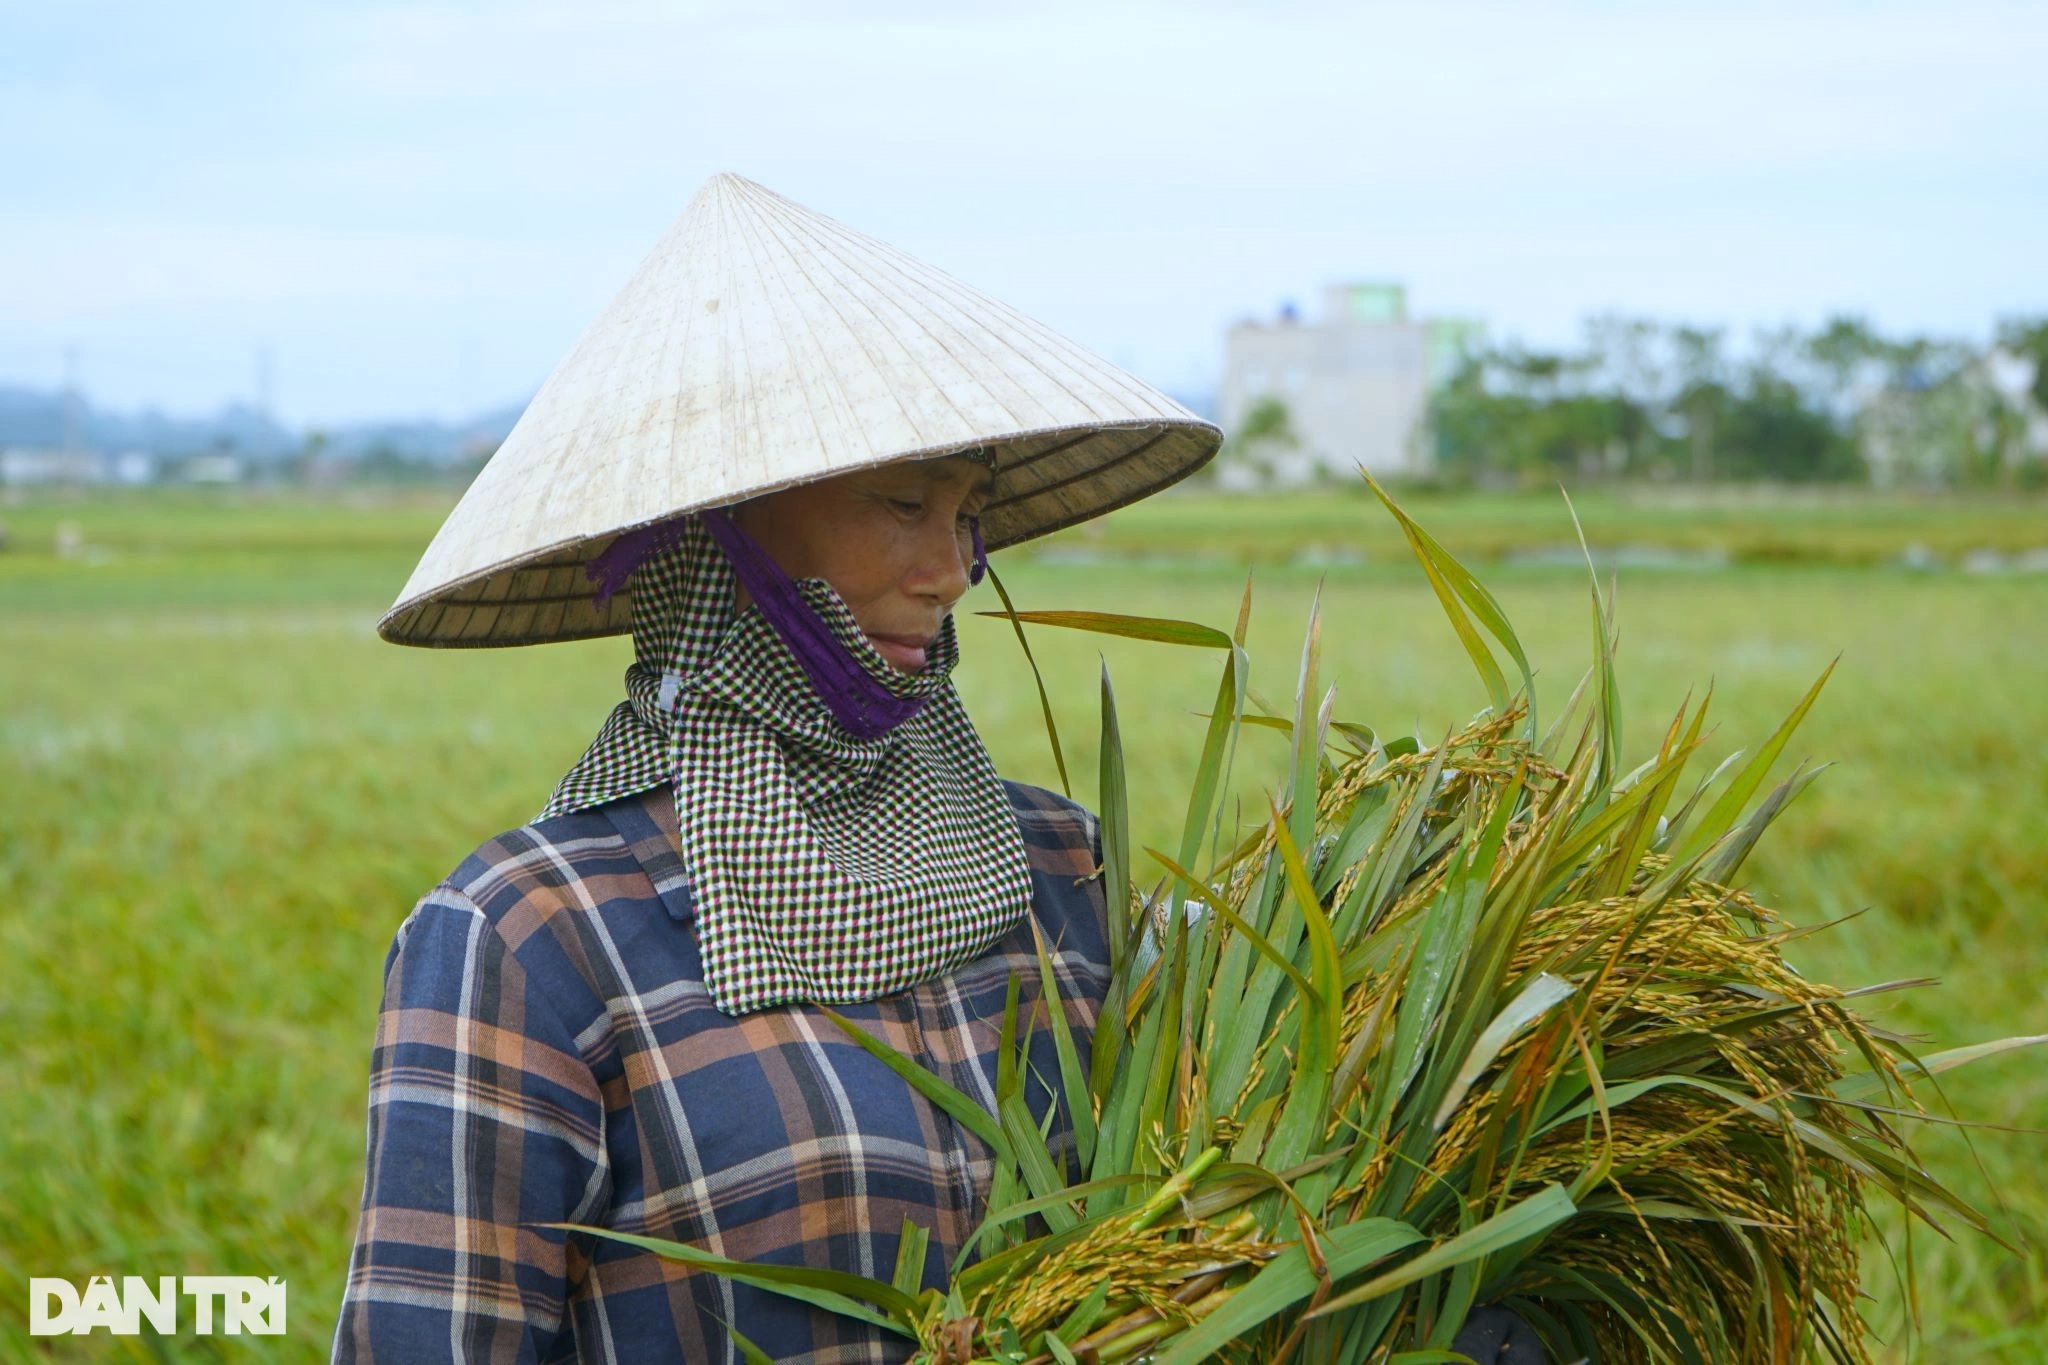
<point x="763" y="345"/>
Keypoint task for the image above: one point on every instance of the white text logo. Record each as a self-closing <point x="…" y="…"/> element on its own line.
<point x="237" y="1303"/>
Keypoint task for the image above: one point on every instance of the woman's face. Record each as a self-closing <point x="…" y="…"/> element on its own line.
<point x="893" y="542"/>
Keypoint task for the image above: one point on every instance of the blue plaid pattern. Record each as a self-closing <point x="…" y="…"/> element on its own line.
<point x="547" y="1052"/>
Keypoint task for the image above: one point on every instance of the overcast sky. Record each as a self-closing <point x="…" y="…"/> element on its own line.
<point x="417" y="207"/>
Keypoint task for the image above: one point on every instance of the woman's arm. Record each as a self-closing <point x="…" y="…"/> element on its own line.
<point x="483" y="1119"/>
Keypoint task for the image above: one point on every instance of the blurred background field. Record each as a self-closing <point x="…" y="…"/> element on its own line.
<point x="221" y="793"/>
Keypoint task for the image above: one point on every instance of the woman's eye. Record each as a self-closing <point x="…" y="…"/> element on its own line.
<point x="908" y="507"/>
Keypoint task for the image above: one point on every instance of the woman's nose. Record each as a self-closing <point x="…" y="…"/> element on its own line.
<point x="941" y="570"/>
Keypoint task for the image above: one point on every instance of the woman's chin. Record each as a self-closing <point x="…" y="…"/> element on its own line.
<point x="905" y="658"/>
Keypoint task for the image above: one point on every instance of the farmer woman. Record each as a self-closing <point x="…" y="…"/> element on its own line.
<point x="777" y="459"/>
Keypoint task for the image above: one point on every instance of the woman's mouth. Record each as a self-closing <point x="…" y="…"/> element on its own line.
<point x="904" y="651"/>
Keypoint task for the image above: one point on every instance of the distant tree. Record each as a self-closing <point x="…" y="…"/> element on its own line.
<point x="1641" y="400"/>
<point x="1703" y="396"/>
<point x="385" y="463"/>
<point x="1267" y="427"/>
<point x="1771" y="431"/>
<point x="1531" y="416"/>
<point x="2022" y="460"/>
<point x="2027" y="338"/>
<point x="1468" y="425"/>
<point x="1845" y="352"/>
<point x="1629" y="359"/>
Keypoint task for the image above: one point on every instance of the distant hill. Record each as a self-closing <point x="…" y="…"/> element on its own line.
<point x="35" y="417"/>
<point x="425" y="440"/>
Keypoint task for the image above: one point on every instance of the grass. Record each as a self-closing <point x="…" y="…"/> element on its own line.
<point x="221" y="794"/>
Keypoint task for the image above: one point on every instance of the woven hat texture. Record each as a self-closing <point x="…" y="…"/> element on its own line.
<point x="759" y="346"/>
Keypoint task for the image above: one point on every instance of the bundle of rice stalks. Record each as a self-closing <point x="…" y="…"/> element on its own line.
<point x="1484" y="1021"/>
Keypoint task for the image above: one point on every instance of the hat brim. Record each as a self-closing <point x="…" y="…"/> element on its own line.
<point x="1046" y="481"/>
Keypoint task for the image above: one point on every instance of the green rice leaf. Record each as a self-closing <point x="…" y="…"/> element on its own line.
<point x="1680" y="818"/>
<point x="1306" y="1114"/>
<point x="969" y="1114"/>
<point x="1532" y="1217"/>
<point x="1725" y="859"/>
<point x="1536" y="999"/>
<point x="1310" y="723"/>
<point x="1456" y="585"/>
<point x="1209" y="769"/>
<point x="1436" y="960"/>
<point x="1721" y="816"/>
<point x="1607" y="693"/>
<point x="1084" y="1316"/>
<point x="1495" y="681"/>
<point x="749" y="1352"/>
<point x="833" y="1290"/>
<point x="1035" y="1163"/>
<point x="1052" y="729"/>
<point x="1863" y="1084"/>
<point x="1159" y="629"/>
<point x="1326" y="974"/>
<point x="911" y="1245"/>
<point x="1114" y="821"/>
<point x="1023" y="1208"/>
<point x="1285" y="1281"/>
<point x="1073" y="1078"/>
<point x="1219" y="904"/>
<point x="1007" y="1078"/>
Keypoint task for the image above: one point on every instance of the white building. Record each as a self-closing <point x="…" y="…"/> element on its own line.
<point x="1355" y="383"/>
<point x="132" y="467"/>
<point x="215" y="467"/>
<point x="22" y="465"/>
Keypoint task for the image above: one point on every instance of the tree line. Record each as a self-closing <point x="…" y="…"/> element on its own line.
<point x="1645" y="400"/>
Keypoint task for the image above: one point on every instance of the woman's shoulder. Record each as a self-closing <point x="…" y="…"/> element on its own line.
<point x="551" y="887"/>
<point x="565" y="912"/>
<point x="574" y="860"/>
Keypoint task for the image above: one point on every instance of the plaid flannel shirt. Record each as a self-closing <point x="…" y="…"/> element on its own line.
<point x="546" y="1052"/>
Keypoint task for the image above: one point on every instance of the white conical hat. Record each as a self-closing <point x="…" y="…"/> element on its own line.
<point x="762" y="345"/>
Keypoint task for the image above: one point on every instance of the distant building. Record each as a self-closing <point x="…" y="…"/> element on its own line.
<point x="214" y="467"/>
<point x="22" y="465"/>
<point x="1355" y="383"/>
<point x="131" y="467"/>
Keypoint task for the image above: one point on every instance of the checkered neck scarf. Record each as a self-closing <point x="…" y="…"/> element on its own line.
<point x="824" y="867"/>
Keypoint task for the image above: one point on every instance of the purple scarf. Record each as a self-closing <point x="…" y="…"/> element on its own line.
<point x="858" y="700"/>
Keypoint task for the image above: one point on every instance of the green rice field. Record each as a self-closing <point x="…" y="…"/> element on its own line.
<point x="221" y="793"/>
